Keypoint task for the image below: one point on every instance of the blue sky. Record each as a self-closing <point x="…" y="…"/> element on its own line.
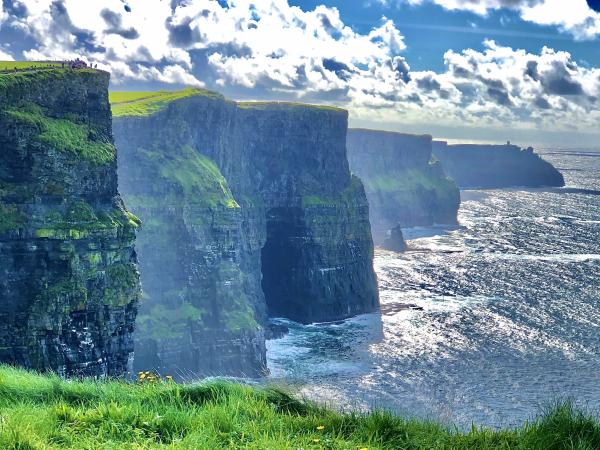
<point x="525" y="70"/>
<point x="430" y="30"/>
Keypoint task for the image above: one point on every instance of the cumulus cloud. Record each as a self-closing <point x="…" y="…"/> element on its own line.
<point x="505" y="86"/>
<point x="269" y="49"/>
<point x="5" y="56"/>
<point x="133" y="45"/>
<point x="572" y="16"/>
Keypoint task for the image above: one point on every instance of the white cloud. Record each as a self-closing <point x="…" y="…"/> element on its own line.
<point x="4" y="56"/>
<point x="570" y="16"/>
<point x="69" y="28"/>
<point x="268" y="49"/>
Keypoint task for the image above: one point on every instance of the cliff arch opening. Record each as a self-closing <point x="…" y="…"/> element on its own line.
<point x="283" y="263"/>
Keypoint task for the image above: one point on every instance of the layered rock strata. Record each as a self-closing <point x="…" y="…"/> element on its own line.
<point x="405" y="185"/>
<point x="69" y="283"/>
<point x="496" y="166"/>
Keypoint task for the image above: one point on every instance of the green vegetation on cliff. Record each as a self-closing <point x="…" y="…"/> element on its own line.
<point x="132" y="104"/>
<point x="410" y="180"/>
<point x="147" y="103"/>
<point x="345" y="198"/>
<point x="79" y="220"/>
<point x="122" y="279"/>
<point x="197" y="175"/>
<point x="45" y="412"/>
<point x="21" y="79"/>
<point x="290" y="105"/>
<point x="65" y="135"/>
<point x="10" y="218"/>
<point x="161" y="322"/>
<point x="22" y="65"/>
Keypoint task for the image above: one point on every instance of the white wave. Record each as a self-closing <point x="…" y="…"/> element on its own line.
<point x="559" y="257"/>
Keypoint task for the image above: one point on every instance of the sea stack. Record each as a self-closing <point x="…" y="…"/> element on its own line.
<point x="69" y="282"/>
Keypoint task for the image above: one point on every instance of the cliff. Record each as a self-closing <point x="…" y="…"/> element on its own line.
<point x="405" y="186"/>
<point x="317" y="260"/>
<point x="496" y="166"/>
<point x="68" y="278"/>
<point x="249" y="210"/>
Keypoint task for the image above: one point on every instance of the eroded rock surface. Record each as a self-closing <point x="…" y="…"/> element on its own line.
<point x="249" y="210"/>
<point x="496" y="166"/>
<point x="69" y="284"/>
<point x="405" y="186"/>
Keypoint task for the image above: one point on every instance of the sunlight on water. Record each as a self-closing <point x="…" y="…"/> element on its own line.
<point x="485" y="322"/>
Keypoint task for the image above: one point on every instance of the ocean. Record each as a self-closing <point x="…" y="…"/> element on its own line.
<point x="486" y="323"/>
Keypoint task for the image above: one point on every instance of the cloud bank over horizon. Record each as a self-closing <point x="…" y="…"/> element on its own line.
<point x="271" y="50"/>
<point x="578" y="19"/>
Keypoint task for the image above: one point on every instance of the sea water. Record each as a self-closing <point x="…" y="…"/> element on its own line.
<point x="486" y="323"/>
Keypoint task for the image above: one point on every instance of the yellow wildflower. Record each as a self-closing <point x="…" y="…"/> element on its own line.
<point x="321" y="427"/>
<point x="316" y="441"/>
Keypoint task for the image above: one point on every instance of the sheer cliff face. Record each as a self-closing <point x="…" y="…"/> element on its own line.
<point x="199" y="248"/>
<point x="496" y="166"/>
<point x="317" y="261"/>
<point x="404" y="186"/>
<point x="68" y="278"/>
<point x="248" y="210"/>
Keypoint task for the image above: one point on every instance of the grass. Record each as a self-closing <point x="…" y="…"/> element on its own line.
<point x="65" y="135"/>
<point x="131" y="104"/>
<point x="141" y="104"/>
<point x="410" y="180"/>
<point x="45" y="412"/>
<point x="13" y="83"/>
<point x="80" y="220"/>
<point x="268" y="105"/>
<point x="22" y="65"/>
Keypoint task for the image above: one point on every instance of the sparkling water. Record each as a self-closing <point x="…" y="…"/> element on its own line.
<point x="485" y="323"/>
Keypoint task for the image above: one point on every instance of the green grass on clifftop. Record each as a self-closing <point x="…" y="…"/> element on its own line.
<point x="45" y="412"/>
<point x="132" y="104"/>
<point x="147" y="103"/>
<point x="24" y="65"/>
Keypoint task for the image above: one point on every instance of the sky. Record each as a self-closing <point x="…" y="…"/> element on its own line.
<point x="464" y="70"/>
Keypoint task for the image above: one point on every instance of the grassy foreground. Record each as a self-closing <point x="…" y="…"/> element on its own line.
<point x="45" y="412"/>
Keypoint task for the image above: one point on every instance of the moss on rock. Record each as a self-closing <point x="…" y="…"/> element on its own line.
<point x="68" y="278"/>
<point x="411" y="180"/>
<point x="10" y="218"/>
<point x="121" y="280"/>
<point x="79" y="220"/>
<point x="161" y="322"/>
<point x="65" y="135"/>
